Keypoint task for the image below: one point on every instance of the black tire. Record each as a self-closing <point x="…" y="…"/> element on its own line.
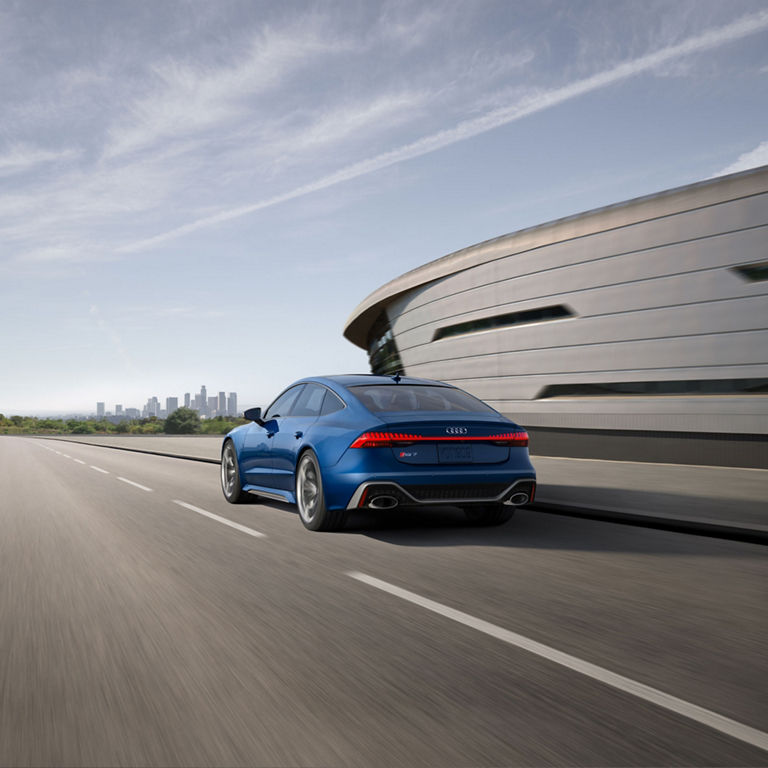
<point x="230" y="476"/>
<point x="492" y="514"/>
<point x="310" y="498"/>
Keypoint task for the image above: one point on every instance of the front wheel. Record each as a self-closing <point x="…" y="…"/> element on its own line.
<point x="310" y="498"/>
<point x="491" y="514"/>
<point x="230" y="476"/>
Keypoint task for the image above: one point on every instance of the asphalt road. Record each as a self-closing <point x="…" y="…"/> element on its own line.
<point x="138" y="631"/>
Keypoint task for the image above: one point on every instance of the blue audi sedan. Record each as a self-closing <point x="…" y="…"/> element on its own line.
<point x="332" y="444"/>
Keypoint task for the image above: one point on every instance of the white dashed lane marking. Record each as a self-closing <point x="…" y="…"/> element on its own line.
<point x="79" y="461"/>
<point x="222" y="520"/>
<point x="99" y="469"/>
<point x="704" y="716"/>
<point x="136" y="485"/>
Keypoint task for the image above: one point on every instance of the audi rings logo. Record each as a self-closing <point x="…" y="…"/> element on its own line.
<point x="456" y="430"/>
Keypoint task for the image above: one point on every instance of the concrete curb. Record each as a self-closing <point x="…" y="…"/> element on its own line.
<point x="676" y="524"/>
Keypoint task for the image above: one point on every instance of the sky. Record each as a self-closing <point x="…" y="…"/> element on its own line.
<point x="201" y="193"/>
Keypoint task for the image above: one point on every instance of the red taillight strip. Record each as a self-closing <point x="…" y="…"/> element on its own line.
<point x="378" y="439"/>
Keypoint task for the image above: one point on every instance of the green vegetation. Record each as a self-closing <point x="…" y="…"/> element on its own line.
<point x="180" y="424"/>
<point x="183" y="421"/>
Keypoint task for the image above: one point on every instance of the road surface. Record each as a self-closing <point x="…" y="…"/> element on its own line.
<point x="144" y="621"/>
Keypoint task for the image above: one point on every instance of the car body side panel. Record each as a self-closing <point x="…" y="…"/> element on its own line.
<point x="256" y="463"/>
<point x="286" y="444"/>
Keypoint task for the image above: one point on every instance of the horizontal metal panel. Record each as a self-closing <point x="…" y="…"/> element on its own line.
<point x="711" y="415"/>
<point x="465" y="293"/>
<point x="711" y="350"/>
<point x="697" y="290"/>
<point x="496" y="388"/>
<point x="555" y="335"/>
<point x="746" y="405"/>
<point x="684" y="233"/>
<point x="714" y="421"/>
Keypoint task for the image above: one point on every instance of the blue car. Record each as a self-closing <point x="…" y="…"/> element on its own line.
<point x="332" y="444"/>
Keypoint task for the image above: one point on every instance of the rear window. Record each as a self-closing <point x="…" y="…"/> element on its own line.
<point x="379" y="398"/>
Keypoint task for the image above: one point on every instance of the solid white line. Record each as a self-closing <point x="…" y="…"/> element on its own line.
<point x="699" y="714"/>
<point x="137" y="485"/>
<point x="99" y="469"/>
<point x="79" y="461"/>
<point x="223" y="520"/>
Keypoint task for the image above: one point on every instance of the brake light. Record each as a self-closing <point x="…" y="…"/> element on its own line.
<point x="517" y="439"/>
<point x="379" y="439"/>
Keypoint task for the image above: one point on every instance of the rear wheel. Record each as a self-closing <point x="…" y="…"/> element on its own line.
<point x="230" y="476"/>
<point x="491" y="514"/>
<point x="310" y="498"/>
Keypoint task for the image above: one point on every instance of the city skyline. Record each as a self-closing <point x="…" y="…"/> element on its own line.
<point x="221" y="404"/>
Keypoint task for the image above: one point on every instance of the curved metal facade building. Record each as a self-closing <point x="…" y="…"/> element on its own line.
<point x="644" y="319"/>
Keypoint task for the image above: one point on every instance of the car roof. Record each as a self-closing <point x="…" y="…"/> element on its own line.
<point x="358" y="379"/>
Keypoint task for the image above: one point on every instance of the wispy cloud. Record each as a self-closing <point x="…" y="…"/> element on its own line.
<point x="21" y="158"/>
<point x="752" y="159"/>
<point x="527" y="105"/>
<point x="187" y="99"/>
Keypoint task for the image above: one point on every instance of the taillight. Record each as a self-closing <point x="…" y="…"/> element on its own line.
<point x="518" y="439"/>
<point x="379" y="439"/>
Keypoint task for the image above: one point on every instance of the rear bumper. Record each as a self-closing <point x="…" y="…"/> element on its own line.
<point x="367" y="466"/>
<point x="515" y="494"/>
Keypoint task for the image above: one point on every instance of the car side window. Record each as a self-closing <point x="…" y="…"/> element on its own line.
<point x="284" y="403"/>
<point x="331" y="404"/>
<point x="309" y="402"/>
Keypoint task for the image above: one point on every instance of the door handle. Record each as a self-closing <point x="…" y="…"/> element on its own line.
<point x="270" y="434"/>
<point x="298" y="435"/>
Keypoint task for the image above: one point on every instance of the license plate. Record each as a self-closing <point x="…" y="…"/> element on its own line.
<point x="454" y="454"/>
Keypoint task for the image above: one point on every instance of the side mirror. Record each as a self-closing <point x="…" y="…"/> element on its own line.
<point x="254" y="414"/>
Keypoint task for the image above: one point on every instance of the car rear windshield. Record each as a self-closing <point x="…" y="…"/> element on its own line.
<point x="379" y="398"/>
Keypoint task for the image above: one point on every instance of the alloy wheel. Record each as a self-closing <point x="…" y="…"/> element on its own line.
<point x="228" y="471"/>
<point x="308" y="489"/>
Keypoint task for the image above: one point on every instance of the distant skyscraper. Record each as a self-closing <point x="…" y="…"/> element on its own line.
<point x="232" y="404"/>
<point x="132" y="413"/>
<point x="203" y="400"/>
<point x="171" y="404"/>
<point x="196" y="405"/>
<point x="213" y="403"/>
<point x="187" y="399"/>
<point x="99" y="410"/>
<point x="118" y="410"/>
<point x="152" y="408"/>
<point x="221" y="407"/>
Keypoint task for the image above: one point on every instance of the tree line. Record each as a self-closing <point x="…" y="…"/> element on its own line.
<point x="183" y="421"/>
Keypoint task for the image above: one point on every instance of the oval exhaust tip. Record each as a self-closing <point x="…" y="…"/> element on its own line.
<point x="383" y="502"/>
<point x="518" y="498"/>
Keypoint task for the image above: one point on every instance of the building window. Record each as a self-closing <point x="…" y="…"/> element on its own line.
<point x="753" y="272"/>
<point x="383" y="354"/>
<point x="507" y="320"/>
<point x="645" y="388"/>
